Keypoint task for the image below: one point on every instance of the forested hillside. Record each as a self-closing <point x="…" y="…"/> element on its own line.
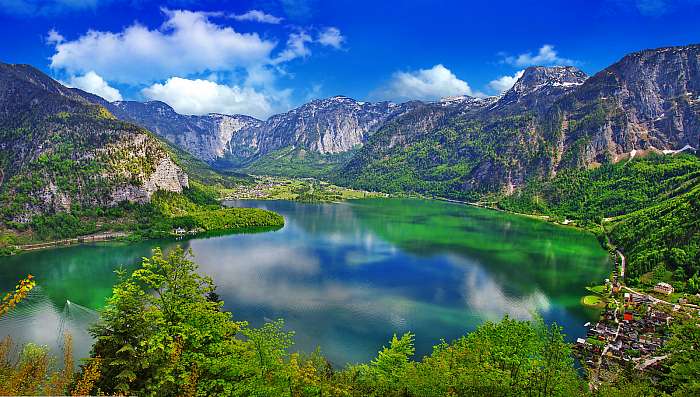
<point x="552" y="120"/>
<point x="68" y="168"/>
<point x="650" y="207"/>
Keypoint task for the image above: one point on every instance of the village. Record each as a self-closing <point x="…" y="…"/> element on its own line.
<point x="632" y="330"/>
<point x="300" y="189"/>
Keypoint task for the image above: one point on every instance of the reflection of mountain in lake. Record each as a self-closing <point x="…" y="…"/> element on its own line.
<point x="347" y="276"/>
<point x="544" y="256"/>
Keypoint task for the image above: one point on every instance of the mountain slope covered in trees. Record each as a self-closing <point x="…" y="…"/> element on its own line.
<point x="68" y="167"/>
<point x="58" y="151"/>
<point x="547" y="122"/>
<point x="649" y="207"/>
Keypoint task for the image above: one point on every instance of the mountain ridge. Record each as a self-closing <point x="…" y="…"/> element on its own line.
<point x="59" y="150"/>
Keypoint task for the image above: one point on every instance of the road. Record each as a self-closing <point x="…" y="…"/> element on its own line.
<point x="623" y="264"/>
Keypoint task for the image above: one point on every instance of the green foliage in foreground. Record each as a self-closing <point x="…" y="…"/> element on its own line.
<point x="162" y="334"/>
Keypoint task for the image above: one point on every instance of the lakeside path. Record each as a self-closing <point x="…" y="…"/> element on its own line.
<point x="70" y="241"/>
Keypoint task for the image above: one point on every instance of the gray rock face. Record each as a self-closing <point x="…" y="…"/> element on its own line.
<point x="648" y="100"/>
<point x="539" y="87"/>
<point x="206" y="137"/>
<point x="59" y="149"/>
<point x="326" y="126"/>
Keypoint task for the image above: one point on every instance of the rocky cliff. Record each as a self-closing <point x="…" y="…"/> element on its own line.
<point x="552" y="119"/>
<point x="539" y="87"/>
<point x="59" y="151"/>
<point x="649" y="100"/>
<point x="206" y="137"/>
<point x="326" y="126"/>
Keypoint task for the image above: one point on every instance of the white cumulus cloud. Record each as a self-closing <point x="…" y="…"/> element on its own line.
<point x="504" y="83"/>
<point x="187" y="43"/>
<point x="203" y="96"/>
<point x="545" y="56"/>
<point x="424" y="84"/>
<point x="257" y="16"/>
<point x="172" y="60"/>
<point x="296" y="47"/>
<point x="331" y="37"/>
<point x="95" y="84"/>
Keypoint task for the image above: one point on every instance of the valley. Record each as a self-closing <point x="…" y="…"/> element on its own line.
<point x="336" y="217"/>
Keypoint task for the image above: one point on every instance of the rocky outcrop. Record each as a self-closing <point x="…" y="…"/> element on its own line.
<point x="166" y="176"/>
<point x="206" y="137"/>
<point x="60" y="150"/>
<point x="538" y="88"/>
<point x="648" y="100"/>
<point x="553" y="118"/>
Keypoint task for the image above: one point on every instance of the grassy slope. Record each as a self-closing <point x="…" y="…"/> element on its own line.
<point x="610" y="190"/>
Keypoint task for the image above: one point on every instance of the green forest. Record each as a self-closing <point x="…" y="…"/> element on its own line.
<point x="196" y="210"/>
<point x="648" y="207"/>
<point x="163" y="333"/>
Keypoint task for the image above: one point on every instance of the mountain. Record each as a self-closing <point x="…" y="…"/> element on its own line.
<point x="552" y="119"/>
<point x="59" y="151"/>
<point x="205" y="137"/>
<point x="539" y="87"/>
<point x="649" y="100"/>
<point x="324" y="127"/>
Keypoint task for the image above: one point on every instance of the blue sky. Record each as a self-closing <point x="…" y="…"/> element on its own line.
<point x="261" y="57"/>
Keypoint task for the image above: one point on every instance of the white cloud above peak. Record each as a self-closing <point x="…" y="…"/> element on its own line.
<point x="545" y="56"/>
<point x="296" y="47"/>
<point x="257" y="16"/>
<point x="204" y="96"/>
<point x="504" y="83"/>
<point x="93" y="83"/>
<point x="53" y="37"/>
<point x="424" y="84"/>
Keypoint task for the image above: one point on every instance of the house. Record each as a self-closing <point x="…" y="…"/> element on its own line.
<point x="663" y="288"/>
<point x="179" y="231"/>
<point x="628" y="316"/>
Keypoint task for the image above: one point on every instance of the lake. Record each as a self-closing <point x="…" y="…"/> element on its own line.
<point x="344" y="276"/>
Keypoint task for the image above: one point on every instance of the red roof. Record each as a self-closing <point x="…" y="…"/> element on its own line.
<point x="628" y="316"/>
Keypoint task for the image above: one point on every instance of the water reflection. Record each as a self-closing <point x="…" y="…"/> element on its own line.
<point x="347" y="276"/>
